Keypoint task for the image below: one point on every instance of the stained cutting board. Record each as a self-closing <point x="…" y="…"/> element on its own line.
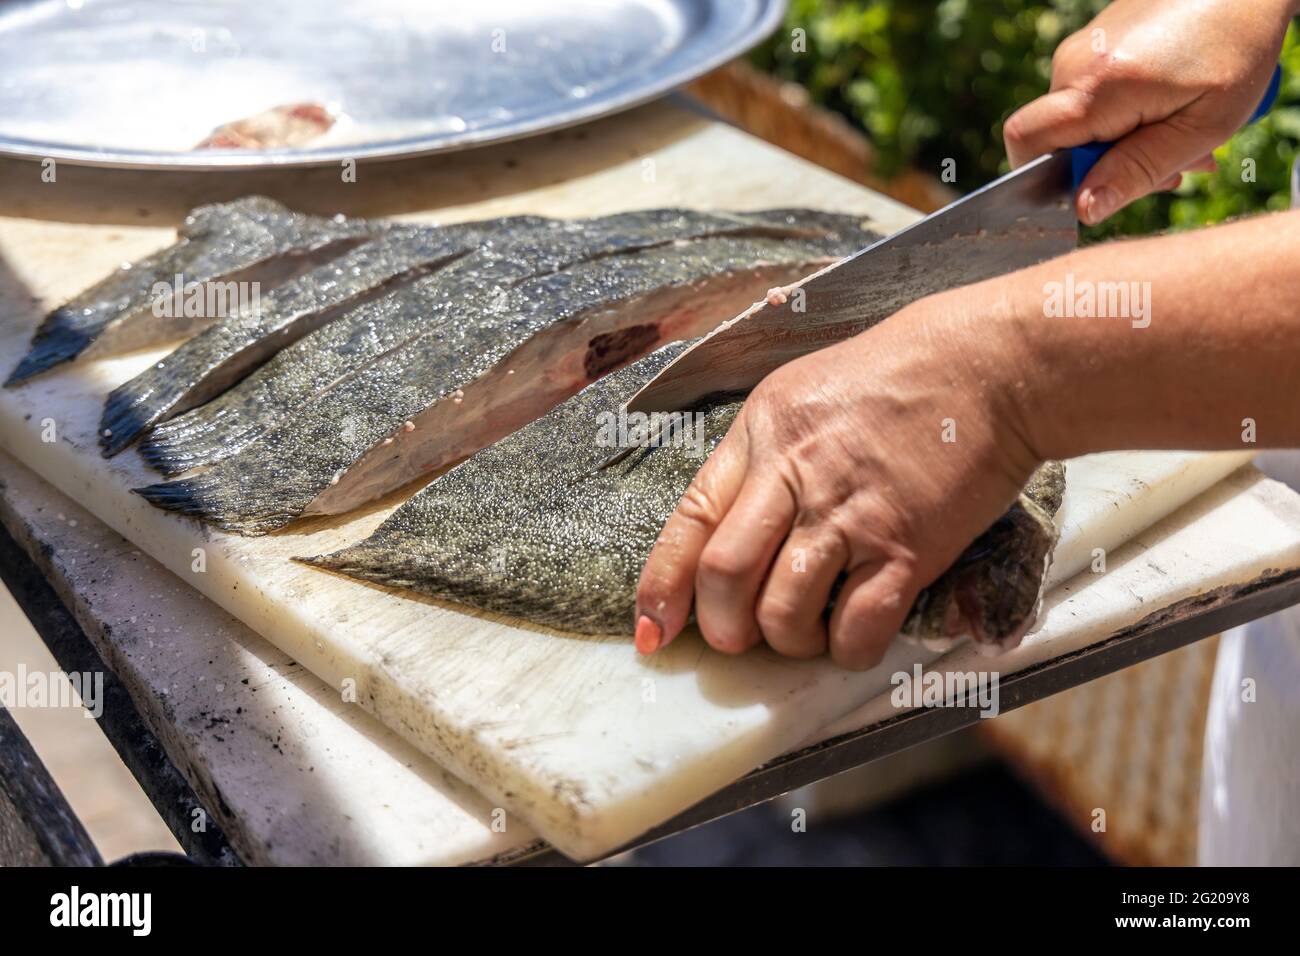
<point x="583" y="740"/>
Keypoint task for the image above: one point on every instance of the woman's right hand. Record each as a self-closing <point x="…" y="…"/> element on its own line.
<point x="1169" y="80"/>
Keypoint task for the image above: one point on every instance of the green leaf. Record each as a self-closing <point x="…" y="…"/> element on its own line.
<point x="928" y="80"/>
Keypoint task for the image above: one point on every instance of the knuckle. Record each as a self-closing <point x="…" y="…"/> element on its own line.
<point x="696" y="506"/>
<point x="722" y="564"/>
<point x="838" y="539"/>
<point x="1016" y="129"/>
<point x="1062" y="56"/>
<point x="828" y="498"/>
<point x="1077" y="39"/>
<point x="906" y="572"/>
<point x="1076" y="107"/>
<point x="778" y="617"/>
<point x="815" y="513"/>
<point x="1140" y="168"/>
<point x="1106" y="67"/>
<point x="1073" y="58"/>
<point x="870" y="531"/>
<point x="765" y="398"/>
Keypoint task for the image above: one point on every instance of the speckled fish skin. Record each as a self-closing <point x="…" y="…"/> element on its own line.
<point x="310" y="465"/>
<point x="533" y="528"/>
<point x="223" y="353"/>
<point x="249" y="239"/>
<point x="322" y="359"/>
<point x="327" y="357"/>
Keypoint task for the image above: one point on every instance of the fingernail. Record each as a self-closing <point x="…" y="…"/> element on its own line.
<point x="1099" y="204"/>
<point x="649" y="635"/>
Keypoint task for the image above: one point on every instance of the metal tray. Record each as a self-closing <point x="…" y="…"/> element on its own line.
<point x="139" y="83"/>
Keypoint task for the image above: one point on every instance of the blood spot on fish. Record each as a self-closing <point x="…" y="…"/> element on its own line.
<point x="609" y="350"/>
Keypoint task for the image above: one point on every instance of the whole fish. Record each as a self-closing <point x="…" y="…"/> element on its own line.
<point x="299" y="374"/>
<point x="465" y="383"/>
<point x="206" y="365"/>
<point x="532" y="527"/>
<point x="250" y="240"/>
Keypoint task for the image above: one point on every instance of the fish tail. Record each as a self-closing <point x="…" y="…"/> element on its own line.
<point x="234" y="496"/>
<point x="202" y="497"/>
<point x="195" y="497"/>
<point x="55" y="342"/>
<point x="172" y="454"/>
<point x="196" y="422"/>
<point x="127" y="414"/>
<point x="358" y="561"/>
<point x="161" y="456"/>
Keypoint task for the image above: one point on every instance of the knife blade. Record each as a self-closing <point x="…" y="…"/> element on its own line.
<point x="1017" y="221"/>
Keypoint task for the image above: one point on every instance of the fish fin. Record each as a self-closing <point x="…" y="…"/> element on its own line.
<point x="54" y="343"/>
<point x="161" y="458"/>
<point x="124" y="419"/>
<point x="357" y="561"/>
<point x="187" y="496"/>
<point x="201" y="497"/>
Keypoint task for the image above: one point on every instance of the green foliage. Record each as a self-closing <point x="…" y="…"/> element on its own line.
<point x="930" y="80"/>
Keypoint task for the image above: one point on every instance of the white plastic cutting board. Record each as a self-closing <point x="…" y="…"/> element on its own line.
<point x="587" y="742"/>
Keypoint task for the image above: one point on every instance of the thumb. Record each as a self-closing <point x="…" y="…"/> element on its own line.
<point x="1139" y="164"/>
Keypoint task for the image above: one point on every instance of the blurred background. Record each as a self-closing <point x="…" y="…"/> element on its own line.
<point x="928" y="80"/>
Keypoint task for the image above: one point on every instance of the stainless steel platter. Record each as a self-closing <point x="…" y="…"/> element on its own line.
<point x="140" y="83"/>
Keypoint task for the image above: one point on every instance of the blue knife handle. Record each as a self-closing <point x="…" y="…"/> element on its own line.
<point x="1083" y="158"/>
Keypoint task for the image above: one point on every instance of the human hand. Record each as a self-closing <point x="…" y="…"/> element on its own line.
<point x="846" y="461"/>
<point x="1167" y="80"/>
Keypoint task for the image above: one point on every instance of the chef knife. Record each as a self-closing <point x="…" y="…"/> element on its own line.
<point x="1017" y="221"/>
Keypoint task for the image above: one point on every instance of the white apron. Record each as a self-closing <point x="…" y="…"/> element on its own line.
<point x="1250" y="778"/>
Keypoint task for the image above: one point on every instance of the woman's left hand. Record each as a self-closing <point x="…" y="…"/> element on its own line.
<point x="846" y="461"/>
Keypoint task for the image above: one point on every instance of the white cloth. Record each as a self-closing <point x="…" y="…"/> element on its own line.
<point x="1250" y="777"/>
<point x="1250" y="772"/>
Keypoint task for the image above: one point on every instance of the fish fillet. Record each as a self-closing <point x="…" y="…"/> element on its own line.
<point x="320" y="361"/>
<point x="294" y="124"/>
<point x="468" y="382"/>
<point x="206" y="365"/>
<point x="533" y="528"/>
<point x="253" y="239"/>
